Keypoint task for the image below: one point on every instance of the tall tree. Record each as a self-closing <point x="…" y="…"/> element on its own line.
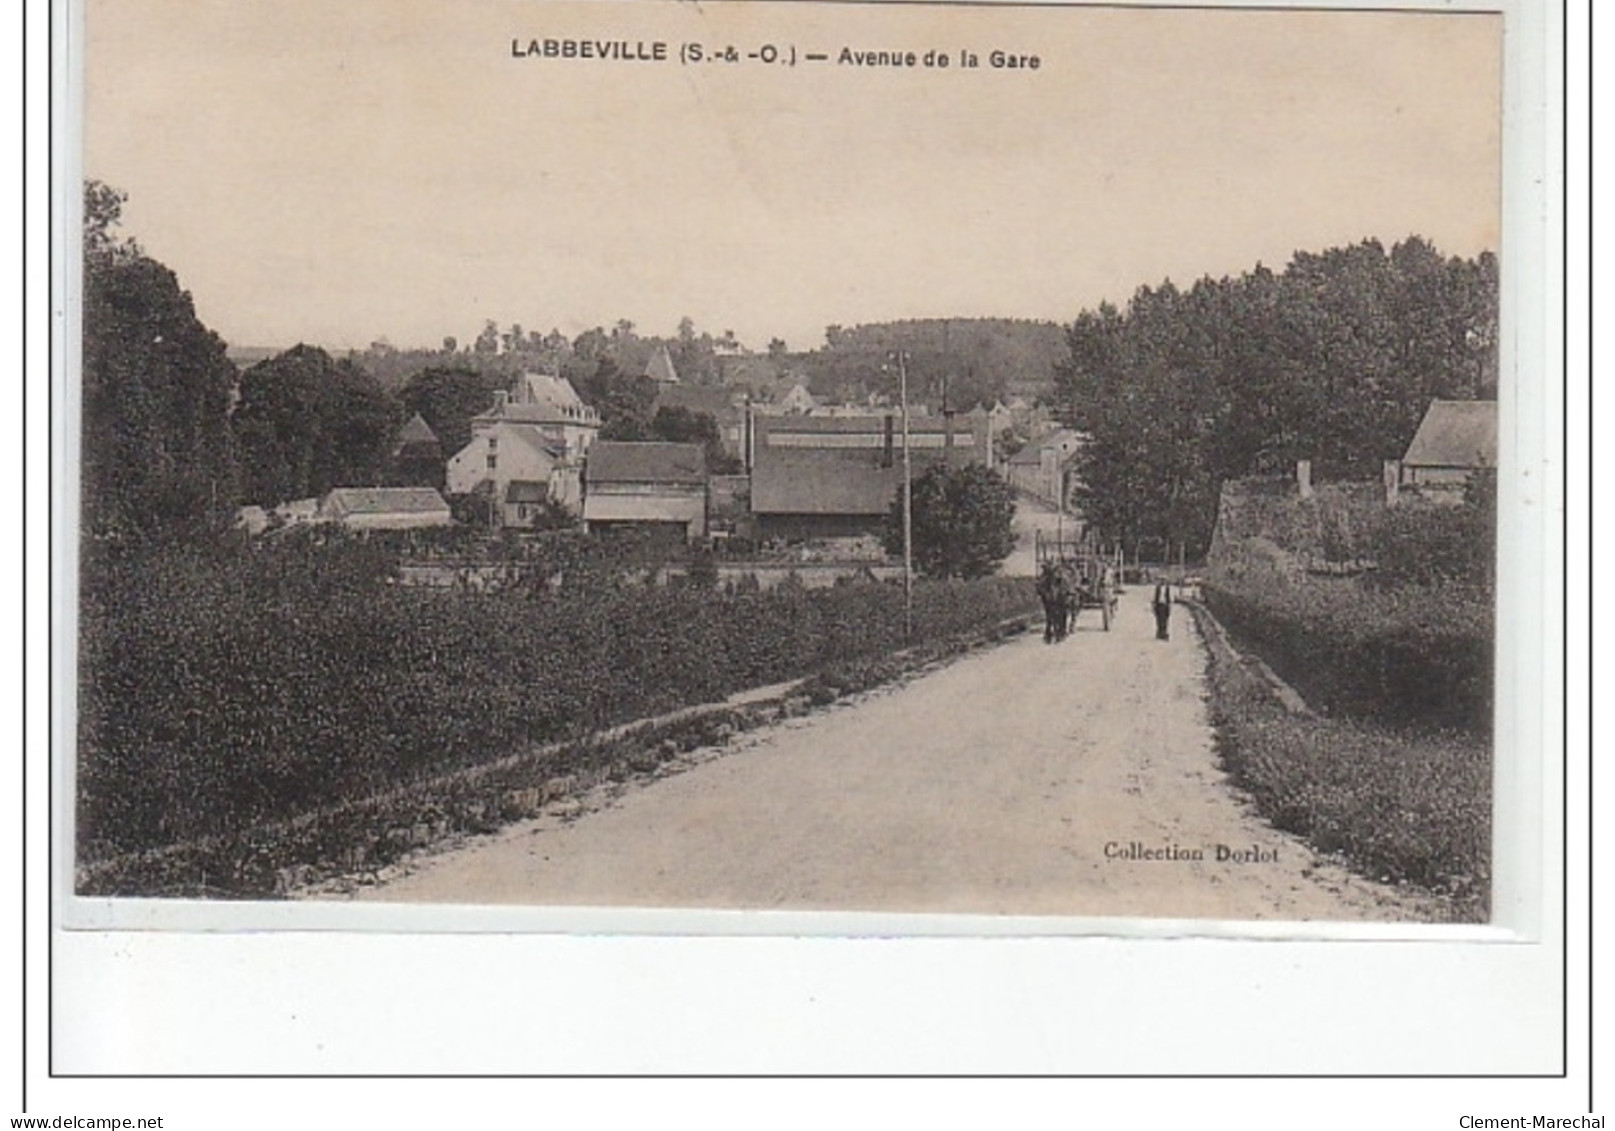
<point x="488" y="341"/>
<point x="1334" y="361"/>
<point x="306" y="423"/>
<point x="963" y="523"/>
<point x="625" y="402"/>
<point x="447" y="397"/>
<point x="680" y="425"/>
<point x="157" y="460"/>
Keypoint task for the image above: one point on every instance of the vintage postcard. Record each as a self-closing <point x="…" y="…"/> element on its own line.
<point x="1039" y="464"/>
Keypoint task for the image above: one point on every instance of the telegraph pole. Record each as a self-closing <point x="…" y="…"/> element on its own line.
<point x="908" y="504"/>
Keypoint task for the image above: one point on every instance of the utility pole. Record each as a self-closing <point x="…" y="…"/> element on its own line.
<point x="908" y="504"/>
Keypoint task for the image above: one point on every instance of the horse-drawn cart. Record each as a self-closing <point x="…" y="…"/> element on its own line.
<point x="1072" y="575"/>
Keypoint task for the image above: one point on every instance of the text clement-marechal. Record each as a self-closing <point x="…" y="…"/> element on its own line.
<point x="622" y="49"/>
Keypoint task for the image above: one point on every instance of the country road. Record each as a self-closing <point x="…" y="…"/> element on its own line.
<point x="1031" y="518"/>
<point x="1072" y="779"/>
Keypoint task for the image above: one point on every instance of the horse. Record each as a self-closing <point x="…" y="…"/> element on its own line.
<point x="1074" y="586"/>
<point x="1054" y="590"/>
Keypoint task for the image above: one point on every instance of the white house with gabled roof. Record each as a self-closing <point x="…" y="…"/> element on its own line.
<point x="538" y="431"/>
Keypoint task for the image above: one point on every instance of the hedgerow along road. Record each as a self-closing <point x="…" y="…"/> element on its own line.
<point x="1076" y="778"/>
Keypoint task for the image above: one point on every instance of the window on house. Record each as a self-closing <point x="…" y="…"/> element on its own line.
<point x="493" y="461"/>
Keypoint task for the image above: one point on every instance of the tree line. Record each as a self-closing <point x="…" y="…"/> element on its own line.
<point x="1334" y="360"/>
<point x="953" y="363"/>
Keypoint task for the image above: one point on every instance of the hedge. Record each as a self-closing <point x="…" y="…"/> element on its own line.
<point x="1406" y="656"/>
<point x="217" y="693"/>
<point x="1408" y="806"/>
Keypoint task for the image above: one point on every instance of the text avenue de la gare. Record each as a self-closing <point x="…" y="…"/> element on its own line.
<point x="661" y="51"/>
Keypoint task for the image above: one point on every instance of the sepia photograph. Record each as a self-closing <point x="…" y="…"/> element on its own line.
<point x="1001" y="461"/>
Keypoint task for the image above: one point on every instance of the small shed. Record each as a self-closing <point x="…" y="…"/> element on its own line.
<point x="524" y="501"/>
<point x="385" y="508"/>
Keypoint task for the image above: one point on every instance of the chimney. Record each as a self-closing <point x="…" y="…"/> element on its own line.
<point x="1392" y="474"/>
<point x="1303" y="477"/>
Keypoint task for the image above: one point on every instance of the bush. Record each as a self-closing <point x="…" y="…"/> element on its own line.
<point x="215" y="694"/>
<point x="963" y="521"/>
<point x="1426" y="544"/>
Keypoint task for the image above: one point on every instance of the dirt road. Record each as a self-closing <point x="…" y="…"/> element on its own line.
<point x="1075" y="778"/>
<point x="1032" y="517"/>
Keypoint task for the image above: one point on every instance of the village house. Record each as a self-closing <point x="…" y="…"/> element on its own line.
<point x="819" y="477"/>
<point x="1455" y="439"/>
<point x="537" y="432"/>
<point x="651" y="485"/>
<point x="384" y="508"/>
<point x="1046" y="469"/>
<point x="797" y="401"/>
<point x="502" y="455"/>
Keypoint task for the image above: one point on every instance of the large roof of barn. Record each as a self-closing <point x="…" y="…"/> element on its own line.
<point x="611" y="461"/>
<point x="821" y="482"/>
<point x="712" y="400"/>
<point x="1455" y="434"/>
<point x="817" y="481"/>
<point x="874" y="421"/>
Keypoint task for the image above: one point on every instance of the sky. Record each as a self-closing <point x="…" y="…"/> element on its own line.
<point x="336" y="173"/>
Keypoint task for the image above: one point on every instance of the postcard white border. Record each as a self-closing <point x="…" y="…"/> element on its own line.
<point x="115" y="986"/>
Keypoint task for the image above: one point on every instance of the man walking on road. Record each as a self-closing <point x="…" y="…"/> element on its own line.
<point x="1162" y="604"/>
